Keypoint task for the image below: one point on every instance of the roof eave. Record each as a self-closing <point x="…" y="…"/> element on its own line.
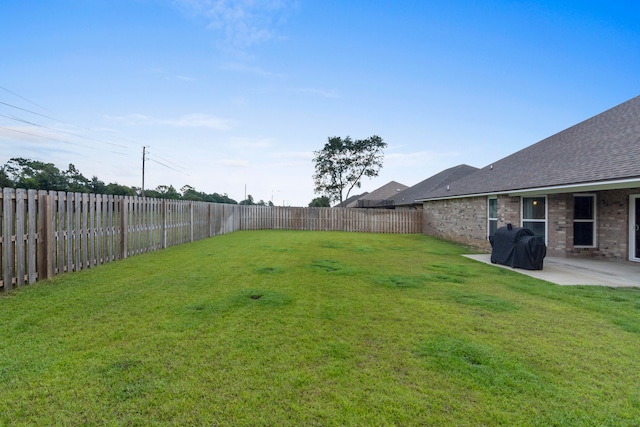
<point x="555" y="189"/>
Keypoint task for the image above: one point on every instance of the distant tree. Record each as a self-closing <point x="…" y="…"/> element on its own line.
<point x="36" y="175"/>
<point x="342" y="164"/>
<point x="248" y="201"/>
<point x="5" y="181"/>
<point x="76" y="182"/>
<point x="320" y="202"/>
<point x="116" y="189"/>
<point x="96" y="186"/>
<point x="167" y="192"/>
<point x="31" y="174"/>
<point x="220" y="198"/>
<point x="190" y="193"/>
<point x="152" y="194"/>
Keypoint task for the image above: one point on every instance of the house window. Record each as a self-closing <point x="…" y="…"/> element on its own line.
<point x="534" y="215"/>
<point x="584" y="220"/>
<point x="492" y="216"/>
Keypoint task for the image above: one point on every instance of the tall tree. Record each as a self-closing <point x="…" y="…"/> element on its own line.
<point x="342" y="164"/>
<point x="76" y="182"/>
<point x="97" y="186"/>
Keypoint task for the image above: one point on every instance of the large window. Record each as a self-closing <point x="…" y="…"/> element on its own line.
<point x="492" y="215"/>
<point x="534" y="215"/>
<point x="584" y="220"/>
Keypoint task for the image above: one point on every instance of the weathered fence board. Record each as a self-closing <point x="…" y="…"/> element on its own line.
<point x="44" y="233"/>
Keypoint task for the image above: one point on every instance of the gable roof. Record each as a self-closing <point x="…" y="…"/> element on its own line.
<point x="383" y="193"/>
<point x="439" y="180"/>
<point x="598" y="153"/>
<point x="350" y="200"/>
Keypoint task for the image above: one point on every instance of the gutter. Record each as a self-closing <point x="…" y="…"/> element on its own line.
<point x="554" y="189"/>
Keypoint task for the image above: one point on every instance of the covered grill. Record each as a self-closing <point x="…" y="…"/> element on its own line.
<point x="517" y="247"/>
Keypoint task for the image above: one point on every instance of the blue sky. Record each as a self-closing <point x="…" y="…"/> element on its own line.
<point x="229" y="95"/>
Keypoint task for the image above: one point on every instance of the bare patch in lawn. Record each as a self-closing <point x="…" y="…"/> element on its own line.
<point x="487" y="302"/>
<point x="269" y="270"/>
<point x="331" y="266"/>
<point x="261" y="297"/>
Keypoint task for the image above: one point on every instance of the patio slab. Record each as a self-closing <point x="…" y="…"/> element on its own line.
<point x="572" y="271"/>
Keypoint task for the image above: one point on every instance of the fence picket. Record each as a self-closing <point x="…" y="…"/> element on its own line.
<point x="20" y="237"/>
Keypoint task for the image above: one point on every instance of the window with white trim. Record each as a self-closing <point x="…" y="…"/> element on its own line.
<point x="584" y="220"/>
<point x="492" y="215"/>
<point x="534" y="215"/>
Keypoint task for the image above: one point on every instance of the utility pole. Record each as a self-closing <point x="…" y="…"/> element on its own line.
<point x="144" y="154"/>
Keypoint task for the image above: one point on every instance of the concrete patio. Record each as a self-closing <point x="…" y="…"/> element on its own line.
<point x="572" y="271"/>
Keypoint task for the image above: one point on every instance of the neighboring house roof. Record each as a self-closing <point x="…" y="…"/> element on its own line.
<point x="383" y="193"/>
<point x="439" y="180"/>
<point x="599" y="153"/>
<point x="350" y="200"/>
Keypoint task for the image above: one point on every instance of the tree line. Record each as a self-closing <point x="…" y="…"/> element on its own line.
<point x="33" y="174"/>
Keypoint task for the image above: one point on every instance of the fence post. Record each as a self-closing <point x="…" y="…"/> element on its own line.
<point x="164" y="225"/>
<point x="124" y="235"/>
<point x="8" y="254"/>
<point x="46" y="249"/>
<point x="191" y="221"/>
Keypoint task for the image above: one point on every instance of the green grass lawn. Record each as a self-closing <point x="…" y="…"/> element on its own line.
<point x="279" y="328"/>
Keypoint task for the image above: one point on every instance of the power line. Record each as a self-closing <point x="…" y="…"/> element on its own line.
<point x="22" y="97"/>
<point x="46" y="137"/>
<point x="18" y="119"/>
<point x="56" y="119"/>
<point x="29" y="111"/>
<point x="166" y="160"/>
<point x="167" y="166"/>
<point x="11" y="117"/>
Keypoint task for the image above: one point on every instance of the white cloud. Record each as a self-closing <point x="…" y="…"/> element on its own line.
<point x="241" y="23"/>
<point x="23" y="133"/>
<point x="186" y="78"/>
<point x="188" y="120"/>
<point x="246" y="69"/>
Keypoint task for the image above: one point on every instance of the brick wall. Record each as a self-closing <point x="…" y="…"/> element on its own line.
<point x="508" y="211"/>
<point x="559" y="212"/>
<point x="459" y="220"/>
<point x="465" y="221"/>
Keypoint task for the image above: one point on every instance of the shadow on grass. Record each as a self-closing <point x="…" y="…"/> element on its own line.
<point x="486" y="366"/>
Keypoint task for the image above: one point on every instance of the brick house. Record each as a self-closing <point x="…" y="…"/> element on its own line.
<point x="578" y="189"/>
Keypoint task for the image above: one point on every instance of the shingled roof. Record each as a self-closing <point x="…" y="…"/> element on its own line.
<point x="350" y="200"/>
<point x="383" y="193"/>
<point x="598" y="153"/>
<point x="439" y="180"/>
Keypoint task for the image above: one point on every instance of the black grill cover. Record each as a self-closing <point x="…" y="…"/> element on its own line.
<point x="517" y="247"/>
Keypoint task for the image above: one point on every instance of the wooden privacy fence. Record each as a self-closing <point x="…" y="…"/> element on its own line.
<point x="45" y="233"/>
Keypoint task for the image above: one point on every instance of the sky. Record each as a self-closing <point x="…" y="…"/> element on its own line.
<point x="234" y="96"/>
